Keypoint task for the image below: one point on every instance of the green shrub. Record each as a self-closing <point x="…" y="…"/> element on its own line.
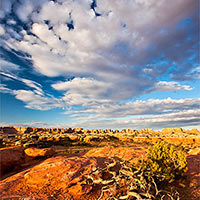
<point x="164" y="162"/>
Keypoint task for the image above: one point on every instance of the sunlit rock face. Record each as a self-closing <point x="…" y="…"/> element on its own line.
<point x="35" y="152"/>
<point x="59" y="177"/>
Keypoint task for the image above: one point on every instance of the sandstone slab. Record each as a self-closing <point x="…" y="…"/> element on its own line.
<point x="59" y="177"/>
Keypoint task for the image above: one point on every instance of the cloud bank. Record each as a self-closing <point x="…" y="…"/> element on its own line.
<point x="98" y="60"/>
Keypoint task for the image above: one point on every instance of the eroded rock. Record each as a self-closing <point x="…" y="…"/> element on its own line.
<point x="124" y="153"/>
<point x="58" y="177"/>
<point x="36" y="152"/>
<point x="11" y="158"/>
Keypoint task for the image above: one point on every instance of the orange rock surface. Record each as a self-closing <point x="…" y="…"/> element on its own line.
<point x="35" y="152"/>
<point x="125" y="153"/>
<point x="66" y="176"/>
<point x="195" y="151"/>
<point x="59" y="177"/>
<point x="177" y="141"/>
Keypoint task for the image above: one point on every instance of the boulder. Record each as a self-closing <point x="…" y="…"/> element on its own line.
<point x="59" y="177"/>
<point x="36" y="152"/>
<point x="10" y="158"/>
<point x="74" y="137"/>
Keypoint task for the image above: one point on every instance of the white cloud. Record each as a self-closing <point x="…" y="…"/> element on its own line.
<point x="5" y="7"/>
<point x="185" y="119"/>
<point x="24" y="10"/>
<point x="174" y="119"/>
<point x="27" y="82"/>
<point x="11" y="22"/>
<point x="7" y="66"/>
<point x="34" y="124"/>
<point x="62" y="12"/>
<point x="34" y="85"/>
<point x="85" y="85"/>
<point x="108" y="53"/>
<point x="47" y="36"/>
<point x="36" y="101"/>
<point x="138" y="107"/>
<point x="153" y="113"/>
<point x="90" y="50"/>
<point x="4" y="89"/>
<point x="84" y="91"/>
<point x="2" y="30"/>
<point x="170" y="86"/>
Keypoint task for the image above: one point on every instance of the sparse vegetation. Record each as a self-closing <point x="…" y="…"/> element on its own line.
<point x="114" y="177"/>
<point x="164" y="162"/>
<point x="128" y="183"/>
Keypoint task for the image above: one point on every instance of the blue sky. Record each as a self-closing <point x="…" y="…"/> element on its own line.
<point x="100" y="64"/>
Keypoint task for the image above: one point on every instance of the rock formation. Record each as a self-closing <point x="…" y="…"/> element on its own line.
<point x="35" y="152"/>
<point x="10" y="158"/>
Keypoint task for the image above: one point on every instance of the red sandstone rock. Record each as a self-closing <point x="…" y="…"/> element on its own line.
<point x="124" y="153"/>
<point x="64" y="177"/>
<point x="59" y="177"/>
<point x="10" y="158"/>
<point x="35" y="152"/>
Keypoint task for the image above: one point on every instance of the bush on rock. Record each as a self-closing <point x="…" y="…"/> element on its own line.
<point x="164" y="162"/>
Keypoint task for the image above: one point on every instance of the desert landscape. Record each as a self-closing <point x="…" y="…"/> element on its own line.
<point x="99" y="100"/>
<point x="41" y="163"/>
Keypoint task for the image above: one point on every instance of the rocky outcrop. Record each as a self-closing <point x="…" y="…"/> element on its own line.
<point x="13" y="159"/>
<point x="29" y="130"/>
<point x="173" y="130"/>
<point x="43" y="138"/>
<point x="124" y="153"/>
<point x="83" y="177"/>
<point x="10" y="158"/>
<point x="193" y="176"/>
<point x="8" y="130"/>
<point x="35" y="152"/>
<point x="59" y="177"/>
<point x="66" y="177"/>
<point x="148" y="131"/>
<point x="194" y="130"/>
